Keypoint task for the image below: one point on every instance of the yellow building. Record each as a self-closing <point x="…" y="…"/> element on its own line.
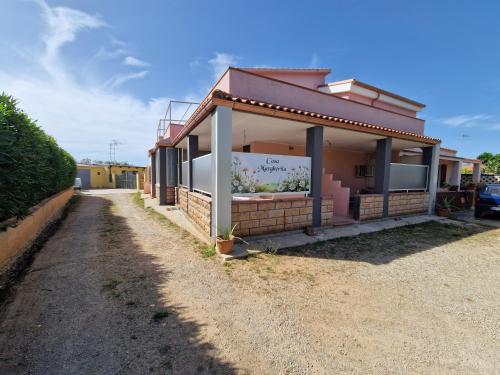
<point x="96" y="176"/>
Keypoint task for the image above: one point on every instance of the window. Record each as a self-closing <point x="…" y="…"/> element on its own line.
<point x="364" y="170"/>
<point x="98" y="173"/>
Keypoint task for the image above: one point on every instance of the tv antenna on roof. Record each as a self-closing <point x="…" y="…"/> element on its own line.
<point x="112" y="151"/>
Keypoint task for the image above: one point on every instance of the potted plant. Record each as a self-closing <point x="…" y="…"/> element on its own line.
<point x="444" y="208"/>
<point x="225" y="241"/>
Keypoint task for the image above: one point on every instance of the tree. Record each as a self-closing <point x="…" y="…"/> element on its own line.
<point x="86" y="161"/>
<point x="491" y="162"/>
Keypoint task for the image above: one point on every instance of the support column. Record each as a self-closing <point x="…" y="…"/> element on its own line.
<point x="221" y="129"/>
<point x="455" y="174"/>
<point x="314" y="149"/>
<point x="171" y="174"/>
<point x="383" y="170"/>
<point x="153" y="174"/>
<point x="192" y="151"/>
<point x="476" y="173"/>
<point x="179" y="166"/>
<point x="162" y="175"/>
<point x="430" y="157"/>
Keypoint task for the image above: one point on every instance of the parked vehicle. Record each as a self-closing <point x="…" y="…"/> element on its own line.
<point x="487" y="200"/>
<point x="78" y="184"/>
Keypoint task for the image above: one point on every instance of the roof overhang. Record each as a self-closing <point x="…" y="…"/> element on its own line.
<point x="371" y="92"/>
<point x="220" y="98"/>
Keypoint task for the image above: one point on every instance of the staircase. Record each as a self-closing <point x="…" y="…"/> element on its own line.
<point x="331" y="188"/>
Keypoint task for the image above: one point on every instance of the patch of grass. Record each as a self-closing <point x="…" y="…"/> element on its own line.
<point x="270" y="269"/>
<point x="208" y="251"/>
<point x="383" y="246"/>
<point x="159" y="217"/>
<point x="138" y="200"/>
<point x="160" y="315"/>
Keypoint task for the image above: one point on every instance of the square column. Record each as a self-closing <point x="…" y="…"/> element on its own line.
<point x="162" y="175"/>
<point x="172" y="167"/>
<point x="430" y="157"/>
<point x="314" y="149"/>
<point x="221" y="128"/>
<point x="455" y="173"/>
<point x="383" y="170"/>
<point x="153" y="175"/>
<point x="192" y="151"/>
<point x="476" y="173"/>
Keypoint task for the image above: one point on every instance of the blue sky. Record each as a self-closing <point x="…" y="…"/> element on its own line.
<point x="91" y="71"/>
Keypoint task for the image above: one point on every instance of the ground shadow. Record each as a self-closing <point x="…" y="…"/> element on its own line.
<point x="385" y="246"/>
<point x="143" y="331"/>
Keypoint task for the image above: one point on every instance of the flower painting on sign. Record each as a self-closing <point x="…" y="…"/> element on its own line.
<point x="264" y="173"/>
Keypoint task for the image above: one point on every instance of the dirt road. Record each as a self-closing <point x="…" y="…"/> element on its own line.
<point x="117" y="291"/>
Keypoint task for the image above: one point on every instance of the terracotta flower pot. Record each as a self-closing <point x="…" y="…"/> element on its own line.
<point x="443" y="212"/>
<point x="224" y="246"/>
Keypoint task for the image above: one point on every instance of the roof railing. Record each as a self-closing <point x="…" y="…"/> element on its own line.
<point x="178" y="112"/>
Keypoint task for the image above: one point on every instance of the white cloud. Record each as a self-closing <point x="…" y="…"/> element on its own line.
<point x="83" y="113"/>
<point x="62" y="26"/>
<point x="466" y="121"/>
<point x="132" y="61"/>
<point x="221" y="62"/>
<point x="120" y="79"/>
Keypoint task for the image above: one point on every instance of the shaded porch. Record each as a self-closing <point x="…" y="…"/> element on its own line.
<point x="348" y="168"/>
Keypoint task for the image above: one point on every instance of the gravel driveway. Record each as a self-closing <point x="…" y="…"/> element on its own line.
<point x="117" y="291"/>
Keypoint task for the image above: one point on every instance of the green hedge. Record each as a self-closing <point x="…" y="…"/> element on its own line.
<point x="32" y="165"/>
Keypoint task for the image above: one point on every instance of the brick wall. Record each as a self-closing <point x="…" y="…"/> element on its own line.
<point x="170" y="195"/>
<point x="408" y="203"/>
<point x="260" y="216"/>
<point x="371" y="206"/>
<point x="326" y="211"/>
<point x="197" y="206"/>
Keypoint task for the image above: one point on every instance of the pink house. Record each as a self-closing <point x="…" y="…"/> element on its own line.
<point x="270" y="150"/>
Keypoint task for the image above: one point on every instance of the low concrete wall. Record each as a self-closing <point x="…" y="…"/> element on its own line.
<point x="18" y="235"/>
<point x="408" y="203"/>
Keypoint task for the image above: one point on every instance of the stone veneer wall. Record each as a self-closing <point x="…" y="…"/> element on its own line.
<point x="254" y="217"/>
<point x="371" y="206"/>
<point x="197" y="206"/>
<point x="326" y="211"/>
<point x="170" y="194"/>
<point x="408" y="203"/>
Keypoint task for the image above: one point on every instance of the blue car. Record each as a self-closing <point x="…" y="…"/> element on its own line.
<point x="487" y="200"/>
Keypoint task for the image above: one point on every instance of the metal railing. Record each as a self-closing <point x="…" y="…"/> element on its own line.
<point x="178" y="112"/>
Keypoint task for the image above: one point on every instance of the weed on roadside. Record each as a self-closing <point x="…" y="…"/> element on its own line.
<point x="208" y="251"/>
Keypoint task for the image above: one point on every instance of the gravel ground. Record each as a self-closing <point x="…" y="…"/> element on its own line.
<point x="118" y="291"/>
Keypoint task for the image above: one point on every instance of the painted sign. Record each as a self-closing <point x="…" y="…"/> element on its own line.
<point x="266" y="173"/>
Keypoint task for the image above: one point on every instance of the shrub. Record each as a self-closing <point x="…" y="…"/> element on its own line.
<point x="32" y="165"/>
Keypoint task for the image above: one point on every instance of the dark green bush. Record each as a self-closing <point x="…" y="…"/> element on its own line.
<point x="32" y="165"/>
